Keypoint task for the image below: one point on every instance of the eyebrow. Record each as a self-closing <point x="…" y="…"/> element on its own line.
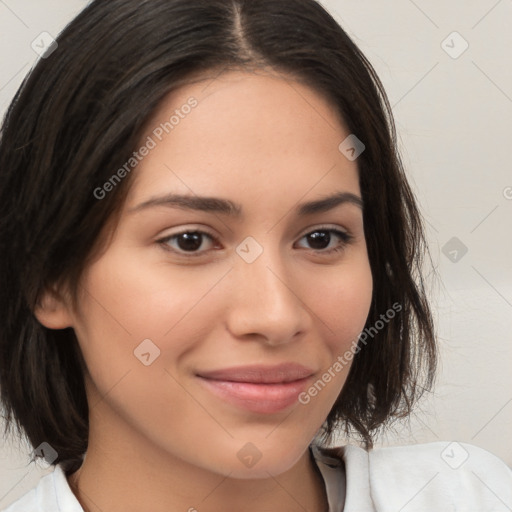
<point x="227" y="207"/>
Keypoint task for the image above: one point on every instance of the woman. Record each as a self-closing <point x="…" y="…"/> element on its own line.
<point x="211" y="259"/>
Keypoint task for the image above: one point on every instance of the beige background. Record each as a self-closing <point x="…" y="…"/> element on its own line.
<point x="454" y="119"/>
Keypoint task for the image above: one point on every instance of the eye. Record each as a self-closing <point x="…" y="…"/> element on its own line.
<point x="189" y="242"/>
<point x="324" y="236"/>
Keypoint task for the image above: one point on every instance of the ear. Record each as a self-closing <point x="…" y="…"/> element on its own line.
<point x="53" y="310"/>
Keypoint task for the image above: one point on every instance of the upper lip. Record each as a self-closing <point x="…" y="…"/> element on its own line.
<point x="260" y="374"/>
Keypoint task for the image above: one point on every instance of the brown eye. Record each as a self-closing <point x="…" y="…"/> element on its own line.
<point x="186" y="243"/>
<point x="321" y="238"/>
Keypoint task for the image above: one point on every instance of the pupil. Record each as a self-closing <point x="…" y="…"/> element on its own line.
<point x="319" y="236"/>
<point x="192" y="241"/>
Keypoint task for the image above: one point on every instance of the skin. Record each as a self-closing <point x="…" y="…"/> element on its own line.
<point x="159" y="440"/>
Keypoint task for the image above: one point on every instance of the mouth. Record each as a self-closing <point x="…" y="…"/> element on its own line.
<point x="259" y="389"/>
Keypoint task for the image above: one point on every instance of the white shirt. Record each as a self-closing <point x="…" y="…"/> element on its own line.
<point x="431" y="477"/>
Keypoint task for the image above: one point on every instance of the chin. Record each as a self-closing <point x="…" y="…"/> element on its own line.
<point x="261" y="470"/>
<point x="252" y="462"/>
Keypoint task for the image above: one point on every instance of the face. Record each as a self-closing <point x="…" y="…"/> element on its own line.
<point x="208" y="334"/>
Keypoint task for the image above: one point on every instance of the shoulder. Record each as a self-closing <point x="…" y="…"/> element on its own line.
<point x="52" y="493"/>
<point x="432" y="476"/>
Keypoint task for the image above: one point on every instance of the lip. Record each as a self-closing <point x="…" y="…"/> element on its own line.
<point x="260" y="374"/>
<point x="259" y="389"/>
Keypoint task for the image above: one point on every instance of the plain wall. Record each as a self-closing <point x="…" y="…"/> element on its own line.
<point x="453" y="115"/>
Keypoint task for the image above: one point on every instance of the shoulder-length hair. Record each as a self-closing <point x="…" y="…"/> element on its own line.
<point x="79" y="115"/>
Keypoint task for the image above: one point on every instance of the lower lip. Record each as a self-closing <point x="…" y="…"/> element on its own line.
<point x="259" y="398"/>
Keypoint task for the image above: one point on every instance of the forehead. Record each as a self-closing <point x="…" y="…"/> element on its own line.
<point x="244" y="134"/>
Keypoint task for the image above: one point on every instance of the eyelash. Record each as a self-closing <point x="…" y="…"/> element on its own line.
<point x="345" y="237"/>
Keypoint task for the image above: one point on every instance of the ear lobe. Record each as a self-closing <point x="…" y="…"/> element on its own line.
<point x="52" y="311"/>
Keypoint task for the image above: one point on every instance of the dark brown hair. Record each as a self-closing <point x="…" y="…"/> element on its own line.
<point x="77" y="118"/>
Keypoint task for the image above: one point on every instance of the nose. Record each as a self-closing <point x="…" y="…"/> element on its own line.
<point x="267" y="302"/>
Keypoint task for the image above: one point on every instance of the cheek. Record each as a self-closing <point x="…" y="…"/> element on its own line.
<point x="142" y="301"/>
<point x="341" y="299"/>
<point x="123" y="307"/>
<point x="126" y="304"/>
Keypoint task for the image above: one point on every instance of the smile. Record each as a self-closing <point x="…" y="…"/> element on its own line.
<point x="259" y="389"/>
